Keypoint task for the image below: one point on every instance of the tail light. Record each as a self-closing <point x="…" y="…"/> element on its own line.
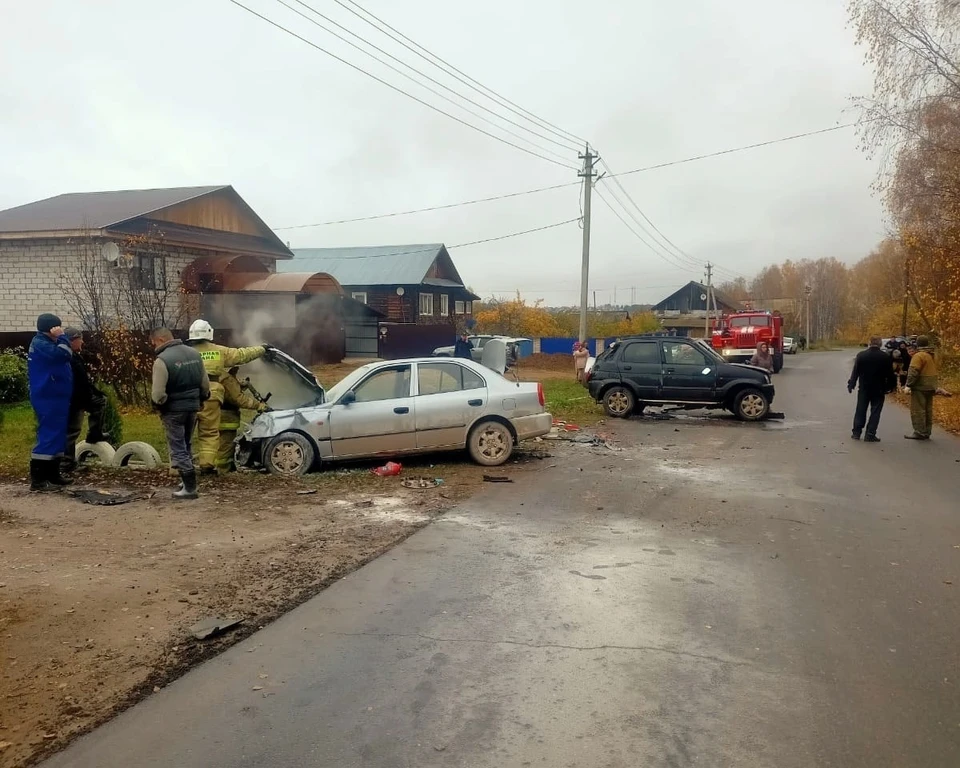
<point x="540" y="397"/>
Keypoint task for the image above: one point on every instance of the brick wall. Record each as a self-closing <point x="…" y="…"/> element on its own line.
<point x="34" y="278"/>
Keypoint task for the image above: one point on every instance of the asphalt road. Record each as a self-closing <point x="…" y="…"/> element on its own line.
<point x="715" y="594"/>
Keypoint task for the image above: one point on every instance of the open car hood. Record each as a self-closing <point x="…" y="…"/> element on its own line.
<point x="288" y="382"/>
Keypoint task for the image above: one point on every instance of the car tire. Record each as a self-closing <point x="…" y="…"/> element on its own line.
<point x="619" y="402"/>
<point x="102" y="451"/>
<point x="750" y="404"/>
<point x="777" y="362"/>
<point x="490" y="443"/>
<point x="139" y="452"/>
<point x="289" y="454"/>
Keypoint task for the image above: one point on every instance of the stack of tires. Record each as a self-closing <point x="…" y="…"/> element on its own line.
<point x="134" y="453"/>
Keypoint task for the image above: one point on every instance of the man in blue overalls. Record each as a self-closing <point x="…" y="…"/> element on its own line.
<point x="51" y="387"/>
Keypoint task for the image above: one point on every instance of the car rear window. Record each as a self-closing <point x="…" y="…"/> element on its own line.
<point x="641" y="352"/>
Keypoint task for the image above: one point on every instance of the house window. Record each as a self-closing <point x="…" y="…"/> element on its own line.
<point x="360" y="296"/>
<point x="458" y="307"/>
<point x="426" y="303"/>
<point x="149" y="272"/>
<point x="469" y="307"/>
<point x="444" y="305"/>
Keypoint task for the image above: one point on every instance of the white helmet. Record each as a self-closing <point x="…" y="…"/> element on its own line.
<point x="201" y="329"/>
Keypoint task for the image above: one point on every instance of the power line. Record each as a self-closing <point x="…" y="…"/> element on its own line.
<point x="463" y="77"/>
<point x="432" y="208"/>
<point x="465" y="245"/>
<point x="390" y="85"/>
<point x="738" y="149"/>
<point x="568" y="145"/>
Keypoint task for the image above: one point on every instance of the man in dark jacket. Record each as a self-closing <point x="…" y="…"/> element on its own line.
<point x="86" y="399"/>
<point x="873" y="368"/>
<point x="179" y="388"/>
<point x="51" y="386"/>
<point x="463" y="348"/>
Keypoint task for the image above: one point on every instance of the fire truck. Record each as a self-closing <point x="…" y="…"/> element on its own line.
<point x="736" y="335"/>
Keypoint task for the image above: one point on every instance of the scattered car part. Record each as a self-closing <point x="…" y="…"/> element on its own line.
<point x="138" y="452"/>
<point x="212" y="626"/>
<point x="101" y="498"/>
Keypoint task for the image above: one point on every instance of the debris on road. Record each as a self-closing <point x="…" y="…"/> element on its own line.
<point x="390" y="469"/>
<point x="496" y="479"/>
<point x="308" y="492"/>
<point x="421" y="483"/>
<point x="212" y="626"/>
<point x="101" y="498"/>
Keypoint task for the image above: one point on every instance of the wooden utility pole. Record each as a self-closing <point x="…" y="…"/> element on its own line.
<point x="706" y="320"/>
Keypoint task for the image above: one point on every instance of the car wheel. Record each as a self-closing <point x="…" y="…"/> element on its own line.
<point x="750" y="405"/>
<point x="490" y="443"/>
<point x="777" y="362"/>
<point x="289" y="454"/>
<point x="139" y="454"/>
<point x="619" y="402"/>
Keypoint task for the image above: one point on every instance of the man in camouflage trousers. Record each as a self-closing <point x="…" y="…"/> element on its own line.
<point x="922" y="386"/>
<point x="234" y="399"/>
<point x="217" y="361"/>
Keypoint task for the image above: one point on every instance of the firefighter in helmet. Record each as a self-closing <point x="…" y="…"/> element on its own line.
<point x="220" y="413"/>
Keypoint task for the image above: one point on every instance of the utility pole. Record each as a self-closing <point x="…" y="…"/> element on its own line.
<point x="807" y="290"/>
<point x="587" y="175"/>
<point x="706" y="321"/>
<point x="906" y="296"/>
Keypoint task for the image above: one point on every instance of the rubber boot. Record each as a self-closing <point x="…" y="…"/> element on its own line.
<point x="188" y="488"/>
<point x="53" y="474"/>
<point x="39" y="483"/>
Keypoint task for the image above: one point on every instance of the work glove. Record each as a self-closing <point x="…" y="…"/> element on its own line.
<point x="268" y="351"/>
<point x="906" y="390"/>
<point x="264" y="408"/>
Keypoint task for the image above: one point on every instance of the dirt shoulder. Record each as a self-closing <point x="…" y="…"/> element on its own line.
<point x="96" y="602"/>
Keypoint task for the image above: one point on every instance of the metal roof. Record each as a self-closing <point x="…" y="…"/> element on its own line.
<point x="94" y="210"/>
<point x="376" y="265"/>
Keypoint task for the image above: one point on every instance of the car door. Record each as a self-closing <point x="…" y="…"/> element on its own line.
<point x="449" y="397"/>
<point x="377" y="417"/>
<point x="639" y="364"/>
<point x="687" y="373"/>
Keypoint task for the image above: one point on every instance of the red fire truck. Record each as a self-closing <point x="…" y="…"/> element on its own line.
<point x="736" y="335"/>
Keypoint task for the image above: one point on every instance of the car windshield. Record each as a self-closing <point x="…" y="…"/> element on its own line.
<point x="743" y="322"/>
<point x="349" y="382"/>
<point x="709" y="351"/>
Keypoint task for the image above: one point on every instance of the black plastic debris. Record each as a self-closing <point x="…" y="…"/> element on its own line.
<point x="102" y="498"/>
<point x="212" y="626"/>
<point x="496" y="479"/>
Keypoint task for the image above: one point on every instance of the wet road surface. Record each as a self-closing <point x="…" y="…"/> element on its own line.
<point x="713" y="594"/>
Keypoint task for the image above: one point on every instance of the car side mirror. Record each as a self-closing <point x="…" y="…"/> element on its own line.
<point x="348" y="398"/>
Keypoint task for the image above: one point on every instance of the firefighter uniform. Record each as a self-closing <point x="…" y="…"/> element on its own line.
<point x="218" y="361"/>
<point x="234" y="399"/>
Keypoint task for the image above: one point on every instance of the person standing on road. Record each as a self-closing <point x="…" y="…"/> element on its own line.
<point x="873" y="369"/>
<point x="51" y="387"/>
<point x="922" y="386"/>
<point x="463" y="348"/>
<point x="180" y="385"/>
<point x="762" y="357"/>
<point x="580" y="356"/>
<point x="86" y="399"/>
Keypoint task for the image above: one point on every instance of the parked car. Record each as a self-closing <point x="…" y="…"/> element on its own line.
<point x="639" y="371"/>
<point x="388" y="409"/>
<point x="789" y="345"/>
<point x="478" y="343"/>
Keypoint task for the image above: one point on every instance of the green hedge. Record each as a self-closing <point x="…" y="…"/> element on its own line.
<point x="14" y="387"/>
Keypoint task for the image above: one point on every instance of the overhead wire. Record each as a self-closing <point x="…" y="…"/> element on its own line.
<point x="424" y="53"/>
<point x="567" y="145"/>
<point x="390" y="85"/>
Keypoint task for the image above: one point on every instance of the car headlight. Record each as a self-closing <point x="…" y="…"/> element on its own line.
<point x="727" y="351"/>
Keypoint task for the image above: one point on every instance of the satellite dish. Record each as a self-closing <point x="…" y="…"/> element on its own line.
<point x="400" y="291"/>
<point x="703" y="297"/>
<point x="110" y="252"/>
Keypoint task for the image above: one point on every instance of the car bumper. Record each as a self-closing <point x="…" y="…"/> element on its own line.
<point x="769" y="391"/>
<point x="528" y="427"/>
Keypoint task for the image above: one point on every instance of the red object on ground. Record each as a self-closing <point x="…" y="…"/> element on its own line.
<point x="390" y="469"/>
<point x="572" y="428"/>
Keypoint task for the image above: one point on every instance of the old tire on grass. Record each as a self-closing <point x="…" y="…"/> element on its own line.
<point x="619" y="402"/>
<point x="490" y="443"/>
<point x="137" y="453"/>
<point x="750" y="404"/>
<point x="289" y="454"/>
<point x="102" y="451"/>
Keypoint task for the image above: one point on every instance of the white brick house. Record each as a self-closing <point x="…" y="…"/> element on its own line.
<point x="42" y="244"/>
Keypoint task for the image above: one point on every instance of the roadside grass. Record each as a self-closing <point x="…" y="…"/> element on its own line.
<point x="569" y="401"/>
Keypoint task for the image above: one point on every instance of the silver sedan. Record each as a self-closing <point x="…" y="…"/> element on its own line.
<point x="389" y="409"/>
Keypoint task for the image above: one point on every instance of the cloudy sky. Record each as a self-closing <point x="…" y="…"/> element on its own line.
<point x="112" y="94"/>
